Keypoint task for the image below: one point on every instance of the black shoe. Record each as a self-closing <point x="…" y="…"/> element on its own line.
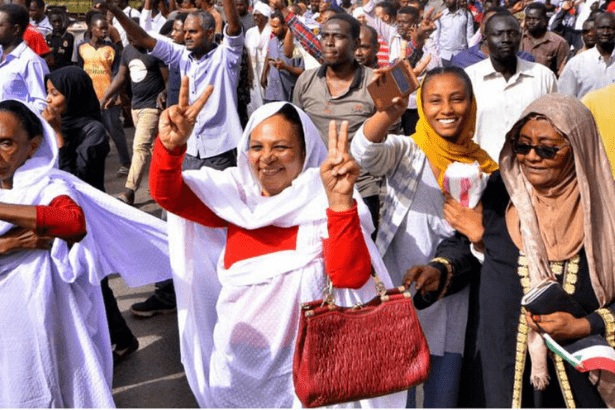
<point x="120" y="353"/>
<point x="127" y="197"/>
<point x="152" y="306"/>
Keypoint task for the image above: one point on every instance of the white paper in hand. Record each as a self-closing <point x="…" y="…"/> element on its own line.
<point x="465" y="183"/>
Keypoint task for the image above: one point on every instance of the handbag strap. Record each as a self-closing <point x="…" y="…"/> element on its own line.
<point x="329" y="296"/>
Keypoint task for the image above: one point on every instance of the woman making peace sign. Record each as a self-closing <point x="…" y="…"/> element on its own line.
<point x="288" y="223"/>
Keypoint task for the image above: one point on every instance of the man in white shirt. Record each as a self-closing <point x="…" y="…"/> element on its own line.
<point x="454" y="30"/>
<point x="504" y="85"/>
<point x="594" y="68"/>
<point x="151" y="18"/>
<point x="217" y="129"/>
<point x="22" y="72"/>
<point x="130" y="12"/>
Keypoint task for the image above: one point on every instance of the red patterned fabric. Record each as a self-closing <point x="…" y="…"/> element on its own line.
<point x="383" y="53"/>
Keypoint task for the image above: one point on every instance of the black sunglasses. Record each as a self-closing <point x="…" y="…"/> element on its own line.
<point x="542" y="151"/>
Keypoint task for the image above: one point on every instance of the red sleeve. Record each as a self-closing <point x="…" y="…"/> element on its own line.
<point x="36" y="42"/>
<point x="347" y="259"/>
<point x="62" y="218"/>
<point x="168" y="188"/>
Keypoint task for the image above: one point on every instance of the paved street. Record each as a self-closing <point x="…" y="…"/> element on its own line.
<point x="153" y="376"/>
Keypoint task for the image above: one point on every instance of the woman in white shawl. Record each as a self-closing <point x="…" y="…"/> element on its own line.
<point x="54" y="346"/>
<point x="277" y="244"/>
<point x="257" y="39"/>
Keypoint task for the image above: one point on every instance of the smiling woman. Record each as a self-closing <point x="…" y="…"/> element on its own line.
<point x="290" y="221"/>
<point x="276" y="156"/>
<point x="414" y="223"/>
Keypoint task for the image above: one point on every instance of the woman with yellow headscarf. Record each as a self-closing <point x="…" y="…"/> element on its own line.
<point x="412" y="219"/>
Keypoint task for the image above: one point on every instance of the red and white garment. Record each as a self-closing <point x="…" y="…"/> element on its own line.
<point x="238" y="324"/>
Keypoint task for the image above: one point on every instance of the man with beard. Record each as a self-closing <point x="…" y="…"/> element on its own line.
<point x="594" y="68"/>
<point x="549" y="49"/>
<point x="280" y="73"/>
<point x="504" y="84"/>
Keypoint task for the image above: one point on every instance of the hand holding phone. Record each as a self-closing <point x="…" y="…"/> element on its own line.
<point x="396" y="81"/>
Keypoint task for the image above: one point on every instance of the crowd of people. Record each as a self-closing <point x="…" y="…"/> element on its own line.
<point x="278" y="175"/>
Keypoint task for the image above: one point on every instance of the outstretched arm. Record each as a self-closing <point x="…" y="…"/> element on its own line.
<point x="118" y="81"/>
<point x="233" y="24"/>
<point x="140" y="37"/>
<point x="167" y="186"/>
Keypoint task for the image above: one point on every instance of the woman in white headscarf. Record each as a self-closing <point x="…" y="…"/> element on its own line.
<point x="58" y="238"/>
<point x="257" y="39"/>
<point x="288" y="223"/>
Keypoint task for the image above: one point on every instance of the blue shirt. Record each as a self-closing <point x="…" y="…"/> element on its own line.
<point x="473" y="55"/>
<point x="280" y="83"/>
<point x="217" y="127"/>
<point x="22" y="77"/>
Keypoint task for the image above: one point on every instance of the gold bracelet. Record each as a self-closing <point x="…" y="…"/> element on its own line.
<point x="449" y="275"/>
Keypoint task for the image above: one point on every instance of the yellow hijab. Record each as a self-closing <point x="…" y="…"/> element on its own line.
<point x="441" y="152"/>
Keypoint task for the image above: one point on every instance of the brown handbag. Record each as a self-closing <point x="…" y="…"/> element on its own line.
<point x="347" y="354"/>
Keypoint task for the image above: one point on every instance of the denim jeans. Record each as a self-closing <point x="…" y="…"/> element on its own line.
<point x="115" y="128"/>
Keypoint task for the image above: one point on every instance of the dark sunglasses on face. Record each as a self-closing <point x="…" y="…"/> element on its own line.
<point x="542" y="151"/>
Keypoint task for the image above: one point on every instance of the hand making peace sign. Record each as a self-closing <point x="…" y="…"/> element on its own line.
<point x="176" y="123"/>
<point x="339" y="171"/>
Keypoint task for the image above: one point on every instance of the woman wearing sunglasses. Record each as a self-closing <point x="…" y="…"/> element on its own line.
<point x="547" y="215"/>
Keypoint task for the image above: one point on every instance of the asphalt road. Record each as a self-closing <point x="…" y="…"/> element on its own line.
<point x="153" y="376"/>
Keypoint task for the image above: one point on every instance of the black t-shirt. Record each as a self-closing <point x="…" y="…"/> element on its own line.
<point x="145" y="76"/>
<point x="61" y="48"/>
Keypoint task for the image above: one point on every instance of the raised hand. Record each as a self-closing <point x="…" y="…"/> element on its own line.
<point x="54" y="118"/>
<point x="176" y="123"/>
<point x="339" y="171"/>
<point x="427" y="25"/>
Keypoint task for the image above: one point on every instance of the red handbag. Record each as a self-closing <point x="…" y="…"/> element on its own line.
<point x="348" y="354"/>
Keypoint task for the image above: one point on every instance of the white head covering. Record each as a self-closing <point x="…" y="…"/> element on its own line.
<point x="262" y="8"/>
<point x="29" y="179"/>
<point x="236" y="195"/>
